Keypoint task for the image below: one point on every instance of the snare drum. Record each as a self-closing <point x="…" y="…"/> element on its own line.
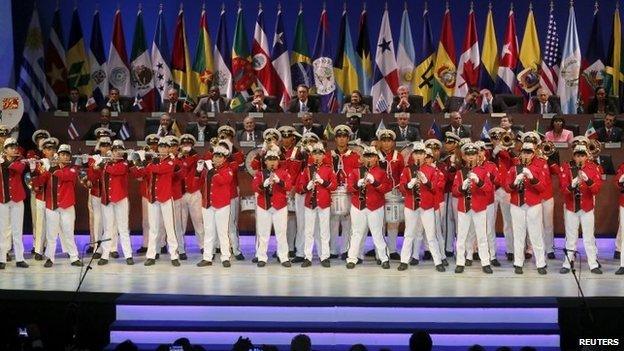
<point x="248" y="203"/>
<point x="394" y="207"/>
<point x="340" y="202"/>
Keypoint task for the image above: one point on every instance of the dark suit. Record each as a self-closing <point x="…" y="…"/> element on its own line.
<point x="241" y="135"/>
<point x="123" y="105"/>
<point x="90" y="134"/>
<point x="592" y="107"/>
<point x="249" y="107"/>
<point x="455" y="103"/>
<point x="606" y="163"/>
<point x="412" y="133"/>
<point x="205" y="104"/>
<point x="193" y="129"/>
<point x="179" y="106"/>
<point x="552" y="106"/>
<point x="614" y="137"/>
<point x="313" y="105"/>
<point x="364" y="134"/>
<point x="464" y="131"/>
<point x="415" y="106"/>
<point x="66" y="105"/>
<point x="316" y="129"/>
<point x="153" y="129"/>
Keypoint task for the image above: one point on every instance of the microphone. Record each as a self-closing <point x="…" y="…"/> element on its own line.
<point x="99" y="241"/>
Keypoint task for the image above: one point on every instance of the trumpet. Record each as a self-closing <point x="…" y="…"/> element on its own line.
<point x="547" y="148"/>
<point x="508" y="139"/>
<point x="594" y="148"/>
<point x="214" y="141"/>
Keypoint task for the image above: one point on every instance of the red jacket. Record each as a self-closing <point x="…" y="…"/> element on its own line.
<point x="92" y="176"/>
<point x="320" y="196"/>
<point x="548" y="171"/>
<point x="496" y="177"/>
<point x="59" y="186"/>
<point x="114" y="180"/>
<point x="37" y="190"/>
<point x="348" y="161"/>
<point x="275" y="195"/>
<point x="293" y="161"/>
<point x="450" y="171"/>
<point x="189" y="164"/>
<point x="371" y="196"/>
<point x="439" y="191"/>
<point x="393" y="164"/>
<point x="616" y="179"/>
<point x="479" y="192"/>
<point x="530" y="191"/>
<point x="11" y="183"/>
<point x="177" y="181"/>
<point x="158" y="176"/>
<point x="424" y="196"/>
<point x="581" y="198"/>
<point x="214" y="185"/>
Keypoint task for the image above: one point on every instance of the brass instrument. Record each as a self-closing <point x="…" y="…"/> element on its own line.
<point x="547" y="148"/>
<point x="416" y="188"/>
<point x="594" y="148"/>
<point x="214" y="141"/>
<point x="508" y="139"/>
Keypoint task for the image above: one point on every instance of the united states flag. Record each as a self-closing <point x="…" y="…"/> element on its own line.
<point x="552" y="55"/>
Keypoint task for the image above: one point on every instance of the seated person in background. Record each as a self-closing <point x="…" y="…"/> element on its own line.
<point x="403" y="103"/>
<point x="75" y="103"/>
<point x="600" y="103"/>
<point x="164" y="127"/>
<point x="463" y="105"/>
<point x="610" y="133"/>
<point x="506" y="123"/>
<point x="545" y="103"/>
<point x="356" y="105"/>
<point x="173" y="103"/>
<point x="114" y="103"/>
<point x="307" y="126"/>
<point x="456" y="126"/>
<point x="357" y="133"/>
<point x="487" y="102"/>
<point x="201" y="130"/>
<point x="214" y="102"/>
<point x="557" y="132"/>
<point x="105" y="117"/>
<point x="403" y="130"/>
<point x="249" y="133"/>
<point x="259" y="103"/>
<point x="302" y="103"/>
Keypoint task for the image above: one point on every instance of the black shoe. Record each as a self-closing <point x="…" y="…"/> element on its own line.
<point x="487" y="269"/>
<point x="475" y="256"/>
<point x="616" y="255"/>
<point x="8" y="257"/>
<point x="402" y="266"/>
<point x="286" y="264"/>
<point x="175" y="263"/>
<point x="620" y="271"/>
<point x="343" y="256"/>
<point x="38" y="257"/>
<point x="427" y="256"/>
<point x="48" y="263"/>
<point x="141" y="250"/>
<point x="218" y="250"/>
<point x="325" y="263"/>
<point x="542" y="270"/>
<point x="551" y="256"/>
<point x="448" y="254"/>
<point x="518" y="270"/>
<point x="468" y="263"/>
<point x="445" y="262"/>
<point x="599" y="265"/>
<point x="378" y="261"/>
<point x="459" y="269"/>
<point x="385" y="265"/>
<point x="261" y="264"/>
<point x="163" y="250"/>
<point x="297" y="259"/>
<point x="2" y="265"/>
<point x="528" y="255"/>
<point x="333" y="256"/>
<point x="77" y="263"/>
<point x="395" y="256"/>
<point x="440" y="268"/>
<point x="495" y="263"/>
<point x="274" y="254"/>
<point x="129" y="261"/>
<point x="114" y="254"/>
<point x="97" y="256"/>
<point x="370" y="253"/>
<point x="157" y="256"/>
<point x="21" y="264"/>
<point x="306" y="263"/>
<point x="201" y="251"/>
<point x="359" y="261"/>
<point x="510" y="256"/>
<point x="90" y="249"/>
<point x="183" y="257"/>
<point x="596" y="270"/>
<point x="149" y="262"/>
<point x="564" y="270"/>
<point x="204" y="263"/>
<point x="102" y="262"/>
<point x="32" y="251"/>
<point x="291" y="254"/>
<point x="413" y="262"/>
<point x="350" y="265"/>
<point x="254" y="260"/>
<point x="239" y="257"/>
<point x="226" y="264"/>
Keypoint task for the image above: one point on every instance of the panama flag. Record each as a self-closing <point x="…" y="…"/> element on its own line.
<point x="386" y="72"/>
<point x="265" y="73"/>
<point x="97" y="61"/>
<point x="406" y="55"/>
<point x="118" y="72"/>
<point x="281" y="61"/>
<point x="507" y="82"/>
<point x="223" y="58"/>
<point x="323" y="66"/>
<point x="593" y="67"/>
<point x="470" y="59"/>
<point x="141" y="67"/>
<point x="570" y="67"/>
<point x="160" y="60"/>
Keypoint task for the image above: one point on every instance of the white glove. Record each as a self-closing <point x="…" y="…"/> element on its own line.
<point x="583" y="176"/>
<point x="209" y="165"/>
<point x="412" y="183"/>
<point x="266" y="183"/>
<point x="466" y="184"/>
<point x="370" y="178"/>
<point x="1" y="159"/>
<point x="130" y="155"/>
<point x="33" y="165"/>
<point x="575" y="182"/>
<point x="141" y="155"/>
<point x="318" y="179"/>
<point x="452" y="159"/>
<point x="621" y="180"/>
<point x="527" y="172"/>
<point x="497" y="149"/>
<point x="473" y="177"/>
<point x="310" y="185"/>
<point x="97" y="160"/>
<point x="186" y="149"/>
<point x="46" y="164"/>
<point x="422" y="177"/>
<point x="200" y="165"/>
<point x="519" y="179"/>
<point x="276" y="179"/>
<point x="171" y="155"/>
<point x="361" y="182"/>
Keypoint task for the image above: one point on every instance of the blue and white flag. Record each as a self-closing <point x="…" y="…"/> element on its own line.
<point x="323" y="65"/>
<point x="570" y="67"/>
<point x="97" y="62"/>
<point x="386" y="72"/>
<point x="485" y="134"/>
<point x="160" y="61"/>
<point x="406" y="55"/>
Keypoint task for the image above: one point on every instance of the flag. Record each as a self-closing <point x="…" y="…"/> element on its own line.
<point x="506" y="82"/>
<point x="265" y="73"/>
<point x="31" y="82"/>
<point x="614" y="79"/>
<point x="530" y="58"/>
<point x="444" y="69"/>
<point x="55" y="65"/>
<point x="406" y="55"/>
<point x="434" y="131"/>
<point x="489" y="56"/>
<point x="328" y="133"/>
<point x="222" y="59"/>
<point x="552" y="55"/>
<point x="72" y="131"/>
<point x="242" y="68"/>
<point x="470" y="60"/>
<point x="77" y="64"/>
<point x="181" y="69"/>
<point x="567" y="88"/>
<point x="141" y="67"/>
<point x="124" y="131"/>
<point x="203" y="63"/>
<point x="365" y="65"/>
<point x="590" y="132"/>
<point x="160" y="61"/>
<point x="97" y="62"/>
<point x="322" y="66"/>
<point x="345" y="70"/>
<point x="593" y="64"/>
<point x="386" y="72"/>
<point x="301" y="62"/>
<point x="91" y="105"/>
<point x="138" y="103"/>
<point x="280" y="61"/>
<point x="118" y="71"/>
<point x="381" y="126"/>
<point x="423" y="74"/>
<point x="485" y="134"/>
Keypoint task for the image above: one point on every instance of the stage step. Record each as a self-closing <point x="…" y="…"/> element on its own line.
<point x="337" y="322"/>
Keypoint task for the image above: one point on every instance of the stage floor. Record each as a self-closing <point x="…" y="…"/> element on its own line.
<point x="368" y="279"/>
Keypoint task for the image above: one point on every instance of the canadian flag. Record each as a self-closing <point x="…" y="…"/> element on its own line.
<point x="470" y="59"/>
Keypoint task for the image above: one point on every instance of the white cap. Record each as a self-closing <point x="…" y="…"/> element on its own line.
<point x="104" y="140"/>
<point x="51" y="141"/>
<point x="580" y="139"/>
<point x="272" y="153"/>
<point x="317" y="147"/>
<point x="531" y="137"/>
<point x="480" y="144"/>
<point x="40" y="133"/>
<point x="64" y="148"/>
<point x="343" y="129"/>
<point x="469" y="148"/>
<point x="310" y="135"/>
<point x="152" y="138"/>
<point x="580" y="149"/>
<point x="226" y="128"/>
<point x="118" y="144"/>
<point x="418" y="146"/>
<point x="528" y="147"/>
<point x="431" y="142"/>
<point x="272" y="132"/>
<point x="221" y="150"/>
<point x="103" y="131"/>
<point x="370" y="150"/>
<point x="187" y="139"/>
<point x="386" y="133"/>
<point x="10" y="142"/>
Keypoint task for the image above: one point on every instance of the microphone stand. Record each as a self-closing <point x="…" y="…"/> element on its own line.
<point x="584" y="303"/>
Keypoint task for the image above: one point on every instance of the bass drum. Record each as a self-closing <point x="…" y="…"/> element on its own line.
<point x="251" y="155"/>
<point x="340" y="202"/>
<point x="248" y="203"/>
<point x="394" y="207"/>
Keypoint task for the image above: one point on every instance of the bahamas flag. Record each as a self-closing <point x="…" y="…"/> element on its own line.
<point x="301" y="61"/>
<point x="78" y="72"/>
<point x="445" y="68"/>
<point x="423" y="75"/>
<point x="365" y="66"/>
<point x="345" y="70"/>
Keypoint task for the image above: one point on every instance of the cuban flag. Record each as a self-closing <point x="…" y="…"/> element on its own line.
<point x="386" y="72"/>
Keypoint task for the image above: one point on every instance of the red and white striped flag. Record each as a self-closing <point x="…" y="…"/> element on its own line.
<point x="552" y="55"/>
<point x="72" y="131"/>
<point x="470" y="59"/>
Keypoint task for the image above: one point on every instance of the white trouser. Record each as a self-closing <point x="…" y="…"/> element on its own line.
<point x="618" y="239"/>
<point x="464" y="221"/>
<point x="548" y="208"/>
<point x="158" y="211"/>
<point x="300" y="214"/>
<point x="291" y="230"/>
<point x="40" y="226"/>
<point x="491" y="229"/>
<point x="336" y="223"/>
<point x="11" y="224"/>
<point x="96" y="214"/>
<point x="361" y="222"/>
<point x="216" y="223"/>
<point x="414" y="221"/>
<point x="447" y="213"/>
<point x="265" y="219"/>
<point x="115" y="216"/>
<point x="177" y="224"/>
<point x="528" y="219"/>
<point x="439" y="236"/>
<point x="317" y="220"/>
<point x="233" y="226"/>
<point x="60" y="222"/>
<point x="191" y="206"/>
<point x="392" y="233"/>
<point x="572" y="221"/>
<point x="145" y="220"/>
<point x="502" y="199"/>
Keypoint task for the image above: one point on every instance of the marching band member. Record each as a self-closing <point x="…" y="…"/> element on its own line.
<point x="190" y="204"/>
<point x="272" y="186"/>
<point x="215" y="177"/>
<point x="48" y="149"/>
<point x="502" y="157"/>
<point x="12" y="202"/>
<point x="59" y="182"/>
<point x="368" y="185"/>
<point x="417" y="184"/>
<point x="151" y="142"/>
<point x="344" y="161"/>
<point x="177" y="191"/>
<point x="94" y="185"/>
<point x="619" y="181"/>
<point x="317" y="181"/>
<point x="235" y="159"/>
<point x="525" y="183"/>
<point x="448" y="213"/>
<point x="471" y="187"/>
<point x="37" y="153"/>
<point x="293" y="158"/>
<point x="580" y="182"/>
